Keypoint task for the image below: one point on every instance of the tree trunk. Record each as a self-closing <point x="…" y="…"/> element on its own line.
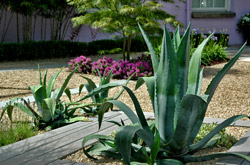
<point x="17" y="28"/>
<point x="124" y="47"/>
<point x="129" y="46"/>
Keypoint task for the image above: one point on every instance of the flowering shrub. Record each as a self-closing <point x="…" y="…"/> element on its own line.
<point x="142" y="66"/>
<point x="84" y="64"/>
<point x="124" y="69"/>
<point x="104" y="65"/>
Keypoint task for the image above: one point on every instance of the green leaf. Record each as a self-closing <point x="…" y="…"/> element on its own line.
<point x="123" y="107"/>
<point x="80" y="88"/>
<point x="177" y="38"/>
<point x="190" y="158"/>
<point x="138" y="109"/>
<point x="90" y="137"/>
<point x="121" y="91"/>
<point x="150" y="83"/>
<point x="39" y="94"/>
<point x="189" y="122"/>
<point x="68" y="93"/>
<point x="183" y="55"/>
<point x="98" y="148"/>
<point x="99" y="89"/>
<point x="51" y="82"/>
<point x="49" y="108"/>
<point x="166" y="89"/>
<point x="104" y="81"/>
<point x="40" y="75"/>
<point x="216" y="80"/>
<point x="65" y="84"/>
<point x="104" y="108"/>
<point x="90" y="86"/>
<point x="123" y="140"/>
<point x="156" y="147"/>
<point x="195" y="147"/>
<point x="151" y="49"/>
<point x="45" y="78"/>
<point x="9" y="109"/>
<point x="194" y="68"/>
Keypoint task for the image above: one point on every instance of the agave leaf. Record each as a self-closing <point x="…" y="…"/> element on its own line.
<point x="150" y="83"/>
<point x="138" y="163"/>
<point x="39" y="94"/>
<point x="189" y="122"/>
<point x="156" y="147"/>
<point x="123" y="140"/>
<point x="115" y="122"/>
<point x="68" y="93"/>
<point x="40" y="75"/>
<point x="104" y="108"/>
<point x="51" y="82"/>
<point x="138" y="110"/>
<point x="177" y="38"/>
<point x="55" y="93"/>
<point x="31" y="111"/>
<point x="64" y="85"/>
<point x="45" y="78"/>
<point x="121" y="91"/>
<point x="99" y="89"/>
<point x="166" y="89"/>
<point x="168" y="161"/>
<point x="194" y="68"/>
<point x="195" y="147"/>
<point x="99" y="74"/>
<point x="80" y="88"/>
<point x="9" y="109"/>
<point x="123" y="107"/>
<point x="92" y="136"/>
<point x="190" y="158"/>
<point x="106" y="80"/>
<point x="153" y="55"/>
<point x="98" y="148"/>
<point x="183" y="55"/>
<point x="216" y="80"/>
<point x="49" y="108"/>
<point x="90" y="86"/>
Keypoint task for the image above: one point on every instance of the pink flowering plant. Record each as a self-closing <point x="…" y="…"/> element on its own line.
<point x="84" y="63"/>
<point x="142" y="67"/>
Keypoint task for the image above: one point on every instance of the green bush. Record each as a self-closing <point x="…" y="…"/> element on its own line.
<point x="34" y="50"/>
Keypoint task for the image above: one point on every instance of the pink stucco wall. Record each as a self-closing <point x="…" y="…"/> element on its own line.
<point x="182" y="12"/>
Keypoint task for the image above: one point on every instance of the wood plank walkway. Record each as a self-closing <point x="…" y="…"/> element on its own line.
<point x="50" y="147"/>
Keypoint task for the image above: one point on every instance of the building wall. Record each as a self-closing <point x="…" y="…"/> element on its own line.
<point x="181" y="10"/>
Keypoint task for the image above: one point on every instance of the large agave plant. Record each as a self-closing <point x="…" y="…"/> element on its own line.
<point x="179" y="107"/>
<point x="51" y="111"/>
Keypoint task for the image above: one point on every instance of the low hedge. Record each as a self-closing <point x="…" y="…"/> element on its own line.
<point x="33" y="50"/>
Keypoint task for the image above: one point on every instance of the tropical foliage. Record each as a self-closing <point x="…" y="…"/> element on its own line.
<point x="51" y="111"/>
<point x="121" y="16"/>
<point x="178" y="104"/>
<point x="244" y="25"/>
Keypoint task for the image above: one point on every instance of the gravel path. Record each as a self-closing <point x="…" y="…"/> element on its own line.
<point x="232" y="97"/>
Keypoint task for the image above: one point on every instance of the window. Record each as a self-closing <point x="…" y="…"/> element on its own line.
<point x="210" y="5"/>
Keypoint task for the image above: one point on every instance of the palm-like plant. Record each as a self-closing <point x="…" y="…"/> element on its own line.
<point x="51" y="111"/>
<point x="179" y="108"/>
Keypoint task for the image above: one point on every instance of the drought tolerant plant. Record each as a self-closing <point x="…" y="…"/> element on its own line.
<point x="179" y="108"/>
<point x="97" y="107"/>
<point x="84" y="64"/>
<point x="51" y="111"/>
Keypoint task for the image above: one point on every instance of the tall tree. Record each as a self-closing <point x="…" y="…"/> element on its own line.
<point x="122" y="16"/>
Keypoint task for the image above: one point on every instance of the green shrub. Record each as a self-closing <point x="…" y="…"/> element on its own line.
<point x="179" y="108"/>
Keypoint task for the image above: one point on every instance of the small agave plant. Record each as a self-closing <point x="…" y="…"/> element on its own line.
<point x="51" y="111"/>
<point x="179" y="109"/>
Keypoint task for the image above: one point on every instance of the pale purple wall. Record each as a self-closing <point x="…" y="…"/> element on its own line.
<point x="240" y="7"/>
<point x="182" y="12"/>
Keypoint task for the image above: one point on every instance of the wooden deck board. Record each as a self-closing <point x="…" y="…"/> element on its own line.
<point x="56" y="145"/>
